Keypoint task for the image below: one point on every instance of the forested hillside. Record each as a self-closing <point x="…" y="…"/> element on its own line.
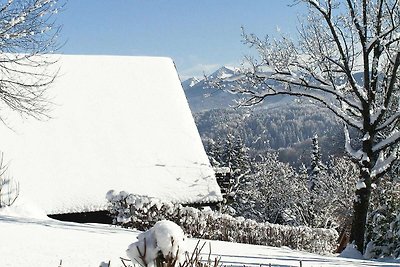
<point x="288" y="128"/>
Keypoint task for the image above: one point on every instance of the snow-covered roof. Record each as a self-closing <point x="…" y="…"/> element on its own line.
<point x="119" y="123"/>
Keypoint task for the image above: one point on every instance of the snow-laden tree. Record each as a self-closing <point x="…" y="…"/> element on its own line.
<point x="271" y="193"/>
<point x="316" y="165"/>
<point x="384" y="221"/>
<point x="27" y="34"/>
<point x="318" y="183"/>
<point x="346" y="58"/>
<point x="277" y="193"/>
<point x="237" y="156"/>
<point x="230" y="152"/>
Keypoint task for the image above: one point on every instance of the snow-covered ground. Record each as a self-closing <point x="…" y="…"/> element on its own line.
<point x="45" y="242"/>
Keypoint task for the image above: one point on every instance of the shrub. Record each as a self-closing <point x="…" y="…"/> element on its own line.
<point x="141" y="212"/>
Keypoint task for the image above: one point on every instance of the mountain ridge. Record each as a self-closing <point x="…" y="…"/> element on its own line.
<point x="201" y="97"/>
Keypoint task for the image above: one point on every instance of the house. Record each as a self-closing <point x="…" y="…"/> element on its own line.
<point x="117" y="122"/>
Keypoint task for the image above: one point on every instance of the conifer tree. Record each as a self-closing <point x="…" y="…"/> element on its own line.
<point x="316" y="164"/>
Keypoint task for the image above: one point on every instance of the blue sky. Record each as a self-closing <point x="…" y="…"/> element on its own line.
<point x="198" y="35"/>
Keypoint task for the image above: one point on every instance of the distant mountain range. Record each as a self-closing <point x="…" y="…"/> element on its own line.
<point x="203" y="98"/>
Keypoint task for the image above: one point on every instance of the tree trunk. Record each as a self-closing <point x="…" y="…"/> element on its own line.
<point x="360" y="211"/>
<point x="363" y="192"/>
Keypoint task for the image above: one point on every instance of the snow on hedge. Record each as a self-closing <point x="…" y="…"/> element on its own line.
<point x="117" y="122"/>
<point x="143" y="212"/>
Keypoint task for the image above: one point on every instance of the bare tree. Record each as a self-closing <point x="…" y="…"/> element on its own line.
<point x="9" y="189"/>
<point x="346" y="58"/>
<point x="27" y="34"/>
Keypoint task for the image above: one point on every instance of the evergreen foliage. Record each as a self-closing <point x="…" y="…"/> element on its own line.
<point x="316" y="165"/>
<point x="229" y="152"/>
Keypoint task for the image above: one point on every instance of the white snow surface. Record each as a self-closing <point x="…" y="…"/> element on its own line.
<point x="166" y="237"/>
<point x="46" y="242"/>
<point x="23" y="209"/>
<point x="119" y="123"/>
<point x="351" y="252"/>
<point x="360" y="184"/>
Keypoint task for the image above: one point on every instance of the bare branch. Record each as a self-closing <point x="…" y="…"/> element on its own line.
<point x="27" y="33"/>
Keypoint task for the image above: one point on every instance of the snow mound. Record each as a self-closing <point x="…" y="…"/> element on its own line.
<point x="23" y="209"/>
<point x="165" y="238"/>
<point x="351" y="252"/>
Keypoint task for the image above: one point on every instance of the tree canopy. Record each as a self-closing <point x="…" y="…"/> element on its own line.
<point x="346" y="58"/>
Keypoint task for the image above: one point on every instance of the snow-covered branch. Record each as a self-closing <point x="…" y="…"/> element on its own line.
<point x="354" y="154"/>
<point x="391" y="140"/>
<point x="334" y="90"/>
<point x="383" y="164"/>
<point x="388" y="122"/>
<point x="375" y="40"/>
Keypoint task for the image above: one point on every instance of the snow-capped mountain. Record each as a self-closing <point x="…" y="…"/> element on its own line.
<point x="223" y="72"/>
<point x="202" y="98"/>
<point x="190" y="82"/>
